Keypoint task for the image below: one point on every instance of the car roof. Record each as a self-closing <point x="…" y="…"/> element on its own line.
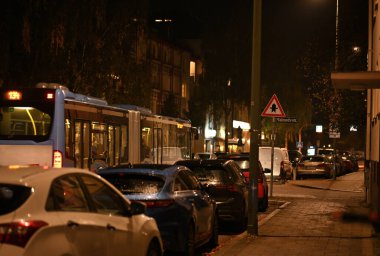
<point x="25" y="175"/>
<point x="153" y="169"/>
<point x="203" y="162"/>
<point x="308" y="156"/>
<point x="235" y="157"/>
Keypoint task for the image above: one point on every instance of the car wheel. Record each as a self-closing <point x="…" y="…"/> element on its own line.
<point x="154" y="249"/>
<point x="214" y="239"/>
<point x="190" y="241"/>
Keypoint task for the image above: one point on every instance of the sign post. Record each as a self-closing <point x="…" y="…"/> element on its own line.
<point x="273" y="109"/>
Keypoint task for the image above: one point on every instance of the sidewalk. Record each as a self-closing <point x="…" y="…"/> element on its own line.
<point x="311" y="226"/>
<point x="352" y="182"/>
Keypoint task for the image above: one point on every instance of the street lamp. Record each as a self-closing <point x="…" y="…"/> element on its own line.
<point x="336" y="66"/>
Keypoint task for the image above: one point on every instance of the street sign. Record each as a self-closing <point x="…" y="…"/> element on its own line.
<point x="286" y="120"/>
<point x="273" y="109"/>
<point x="299" y="144"/>
<point x="334" y="135"/>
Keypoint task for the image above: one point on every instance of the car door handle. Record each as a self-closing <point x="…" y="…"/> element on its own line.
<point x="110" y="227"/>
<point x="72" y="224"/>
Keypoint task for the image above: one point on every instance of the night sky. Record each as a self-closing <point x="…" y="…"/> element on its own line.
<point x="287" y="25"/>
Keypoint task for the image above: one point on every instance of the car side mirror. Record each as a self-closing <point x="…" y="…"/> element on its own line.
<point x="137" y="208"/>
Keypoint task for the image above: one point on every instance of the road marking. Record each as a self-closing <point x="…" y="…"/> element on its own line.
<point x="269" y="216"/>
<point x="295" y="196"/>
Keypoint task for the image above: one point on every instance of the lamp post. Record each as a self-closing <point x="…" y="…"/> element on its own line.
<point x="252" y="227"/>
<point x="336" y="66"/>
<point x="227" y="111"/>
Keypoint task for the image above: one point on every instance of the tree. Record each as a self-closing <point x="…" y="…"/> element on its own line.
<point x="85" y="45"/>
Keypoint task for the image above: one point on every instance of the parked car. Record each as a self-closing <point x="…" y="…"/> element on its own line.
<point x="204" y="155"/>
<point x="334" y="156"/>
<point x="326" y="151"/>
<point x="315" y="165"/>
<point x="349" y="162"/>
<point x="360" y="158"/>
<point x="224" y="182"/>
<point x="70" y="211"/>
<point x="282" y="167"/>
<point x="262" y="185"/>
<point x="294" y="157"/>
<point x="185" y="214"/>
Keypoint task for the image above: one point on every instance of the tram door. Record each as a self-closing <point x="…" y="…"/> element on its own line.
<point x="157" y="150"/>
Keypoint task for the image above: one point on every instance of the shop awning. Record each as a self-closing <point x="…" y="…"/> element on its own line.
<point x="356" y="80"/>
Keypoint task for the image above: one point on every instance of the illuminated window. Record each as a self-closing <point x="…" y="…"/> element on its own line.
<point x="192" y="68"/>
<point x="184" y="90"/>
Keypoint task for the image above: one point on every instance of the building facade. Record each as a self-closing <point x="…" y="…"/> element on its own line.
<point x="369" y="81"/>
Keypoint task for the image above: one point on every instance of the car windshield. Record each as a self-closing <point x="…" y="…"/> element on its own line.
<point x="326" y="152"/>
<point x="12" y="197"/>
<point x="210" y="174"/>
<point x="24" y="122"/>
<point x="312" y="159"/>
<point x="243" y="164"/>
<point x="136" y="183"/>
<point x="293" y="154"/>
<point x="202" y="156"/>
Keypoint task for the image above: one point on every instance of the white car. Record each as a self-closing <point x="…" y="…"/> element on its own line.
<point x="281" y="162"/>
<point x="68" y="211"/>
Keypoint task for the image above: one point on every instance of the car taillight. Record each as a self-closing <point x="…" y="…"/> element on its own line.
<point x="159" y="203"/>
<point x="246" y="176"/>
<point x="57" y="159"/>
<point x="19" y="233"/>
<point x="259" y="177"/>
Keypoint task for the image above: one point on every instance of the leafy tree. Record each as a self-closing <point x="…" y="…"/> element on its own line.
<point x="86" y="45"/>
<point x="227" y="46"/>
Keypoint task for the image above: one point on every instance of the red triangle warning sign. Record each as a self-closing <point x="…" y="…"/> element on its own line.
<point x="273" y="109"/>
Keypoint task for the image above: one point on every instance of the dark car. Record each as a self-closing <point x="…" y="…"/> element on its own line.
<point x="262" y="185"/>
<point x="185" y="214"/>
<point x="224" y="182"/>
<point x="349" y="162"/>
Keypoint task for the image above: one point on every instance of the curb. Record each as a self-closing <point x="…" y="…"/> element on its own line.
<point x="245" y="234"/>
<point x="332" y="189"/>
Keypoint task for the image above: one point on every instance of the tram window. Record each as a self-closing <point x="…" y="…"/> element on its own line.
<point x="68" y="140"/>
<point x="77" y="145"/>
<point x="113" y="140"/>
<point x="86" y="144"/>
<point x="124" y="145"/>
<point x="117" y="145"/>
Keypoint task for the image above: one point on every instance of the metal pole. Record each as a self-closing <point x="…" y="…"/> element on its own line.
<point x="271" y="159"/>
<point x="252" y="227"/>
<point x="336" y="66"/>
